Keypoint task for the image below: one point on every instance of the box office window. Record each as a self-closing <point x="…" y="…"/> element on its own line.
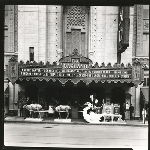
<point x="31" y="53"/>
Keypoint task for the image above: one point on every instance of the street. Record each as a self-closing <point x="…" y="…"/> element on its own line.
<point x="75" y="136"/>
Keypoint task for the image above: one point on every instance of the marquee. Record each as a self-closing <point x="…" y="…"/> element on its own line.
<point x="76" y="68"/>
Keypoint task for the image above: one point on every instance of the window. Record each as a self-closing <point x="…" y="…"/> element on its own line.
<point x="146" y="44"/>
<point x="146" y="81"/>
<point x="31" y="53"/>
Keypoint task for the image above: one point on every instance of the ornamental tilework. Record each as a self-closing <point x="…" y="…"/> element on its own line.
<point x="76" y="17"/>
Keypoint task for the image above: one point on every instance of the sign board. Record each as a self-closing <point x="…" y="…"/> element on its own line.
<point x="146" y="25"/>
<point x="123" y="28"/>
<point x="75" y="72"/>
<point x="137" y="73"/>
<point x="13" y="70"/>
<point x="75" y="67"/>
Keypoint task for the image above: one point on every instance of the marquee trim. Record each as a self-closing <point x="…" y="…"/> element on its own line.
<point x="77" y="80"/>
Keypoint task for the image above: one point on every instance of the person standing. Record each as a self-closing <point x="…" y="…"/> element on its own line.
<point x="21" y="108"/>
<point x="24" y="108"/>
<point x="131" y="112"/>
<point x="123" y="111"/>
<point x="46" y="108"/>
<point x="27" y="103"/>
<point x="143" y="115"/>
<point x="147" y="115"/>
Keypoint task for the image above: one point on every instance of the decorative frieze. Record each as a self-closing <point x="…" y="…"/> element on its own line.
<point x="76" y="16"/>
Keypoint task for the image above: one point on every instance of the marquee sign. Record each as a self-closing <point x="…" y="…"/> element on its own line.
<point x="75" y="68"/>
<point x="79" y="73"/>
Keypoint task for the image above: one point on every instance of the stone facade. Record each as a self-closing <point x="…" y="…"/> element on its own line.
<point x="41" y="27"/>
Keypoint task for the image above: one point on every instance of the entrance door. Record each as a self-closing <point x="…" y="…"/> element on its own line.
<point x="118" y="96"/>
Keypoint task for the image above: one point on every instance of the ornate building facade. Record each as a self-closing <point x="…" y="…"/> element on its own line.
<point x="109" y="39"/>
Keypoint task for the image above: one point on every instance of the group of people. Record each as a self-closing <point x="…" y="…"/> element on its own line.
<point x="24" y="101"/>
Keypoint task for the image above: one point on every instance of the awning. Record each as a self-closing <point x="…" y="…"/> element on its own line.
<point x="145" y="94"/>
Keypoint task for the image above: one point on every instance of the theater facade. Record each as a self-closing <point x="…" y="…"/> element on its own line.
<point x="67" y="53"/>
<point x="73" y="80"/>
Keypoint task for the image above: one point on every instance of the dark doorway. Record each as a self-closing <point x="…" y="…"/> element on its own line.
<point x="74" y="95"/>
<point x="31" y="91"/>
<point x="118" y="96"/>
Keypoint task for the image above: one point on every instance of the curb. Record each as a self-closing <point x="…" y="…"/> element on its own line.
<point x="75" y="123"/>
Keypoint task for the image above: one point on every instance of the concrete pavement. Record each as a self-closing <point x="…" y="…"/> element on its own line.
<point x="75" y="136"/>
<point x="50" y="120"/>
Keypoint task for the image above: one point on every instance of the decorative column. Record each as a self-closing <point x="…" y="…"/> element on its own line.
<point x="12" y="76"/>
<point x="139" y="44"/>
<point x="42" y="33"/>
<point x="92" y="33"/>
<point x="133" y="97"/>
<point x="11" y="105"/>
<point x="137" y="108"/>
<point x="11" y="28"/>
<point x="134" y="31"/>
<point x="59" y="32"/>
<point x="52" y="29"/>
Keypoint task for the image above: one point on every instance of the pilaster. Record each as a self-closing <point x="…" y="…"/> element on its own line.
<point x="139" y="44"/>
<point x="52" y="31"/>
<point x="10" y="28"/>
<point x="133" y="97"/>
<point x="59" y="31"/>
<point x="137" y="107"/>
<point x="11" y="103"/>
<point x="42" y="33"/>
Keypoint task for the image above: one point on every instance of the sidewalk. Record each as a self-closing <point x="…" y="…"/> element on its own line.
<point x="50" y="120"/>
